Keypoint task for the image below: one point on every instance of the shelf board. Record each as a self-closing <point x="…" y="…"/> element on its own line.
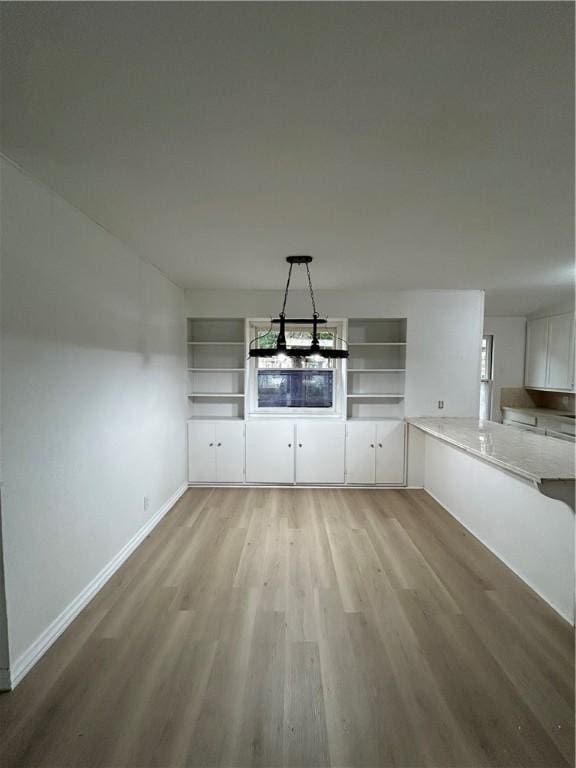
<point x="376" y="343"/>
<point x="216" y="418"/>
<point x="375" y="395"/>
<point x="376" y="370"/>
<point x="215" y="394"/>
<point x="216" y="343"/>
<point x="375" y="418"/>
<point x="216" y="370"/>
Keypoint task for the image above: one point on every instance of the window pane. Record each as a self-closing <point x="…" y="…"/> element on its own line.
<point x="485" y="399"/>
<point x="295" y="337"/>
<point x="486" y="359"/>
<point x="295" y="389"/>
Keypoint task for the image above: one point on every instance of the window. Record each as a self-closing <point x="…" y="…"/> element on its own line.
<point x="295" y="389"/>
<point x="295" y="337"/>
<point x="486" y="366"/>
<point x="290" y="385"/>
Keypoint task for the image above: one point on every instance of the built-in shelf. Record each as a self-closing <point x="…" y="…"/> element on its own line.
<point x="216" y="359"/>
<point x="217" y="370"/>
<point x="378" y="395"/>
<point x="215" y="394"/>
<point x="375" y="418"/>
<point x="216" y="418"/>
<point x="376" y="370"/>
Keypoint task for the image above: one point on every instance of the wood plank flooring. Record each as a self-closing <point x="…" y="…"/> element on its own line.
<point x="296" y="627"/>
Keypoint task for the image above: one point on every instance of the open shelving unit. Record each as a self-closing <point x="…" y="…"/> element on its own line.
<point x="216" y="356"/>
<point x="376" y="368"/>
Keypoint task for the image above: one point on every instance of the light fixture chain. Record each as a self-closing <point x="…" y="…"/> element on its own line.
<point x="286" y="291"/>
<point x="315" y="313"/>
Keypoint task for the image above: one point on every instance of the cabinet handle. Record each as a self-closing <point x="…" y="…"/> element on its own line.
<point x="380" y="445"/>
<point x="299" y="445"/>
<point x="210" y="445"/>
<point x="289" y="445"/>
<point x="218" y="445"/>
<point x="371" y="445"/>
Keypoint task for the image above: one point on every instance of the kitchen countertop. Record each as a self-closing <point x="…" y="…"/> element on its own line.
<point x="531" y="456"/>
<point x="561" y="415"/>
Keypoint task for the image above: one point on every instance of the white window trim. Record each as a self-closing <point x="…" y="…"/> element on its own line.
<point x="254" y="326"/>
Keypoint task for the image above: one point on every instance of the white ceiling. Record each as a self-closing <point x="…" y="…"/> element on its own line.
<point x="404" y="145"/>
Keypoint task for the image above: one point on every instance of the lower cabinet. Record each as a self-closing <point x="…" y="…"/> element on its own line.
<point x="320" y="450"/>
<point x="390" y="452"/>
<point x="286" y="453"/>
<point x="306" y="453"/>
<point x="361" y="452"/>
<point x="375" y="452"/>
<point x="215" y="452"/>
<point x="269" y="452"/>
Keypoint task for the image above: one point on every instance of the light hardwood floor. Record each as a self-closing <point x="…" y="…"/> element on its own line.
<point x="264" y="627"/>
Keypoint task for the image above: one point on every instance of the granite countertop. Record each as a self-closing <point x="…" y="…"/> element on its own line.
<point x="526" y="454"/>
<point x="561" y="415"/>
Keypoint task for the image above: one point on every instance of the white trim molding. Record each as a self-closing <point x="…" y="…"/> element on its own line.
<point x="10" y="678"/>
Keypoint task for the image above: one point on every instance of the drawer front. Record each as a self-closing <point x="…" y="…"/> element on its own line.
<point x="519" y="417"/>
<point x="560" y="436"/>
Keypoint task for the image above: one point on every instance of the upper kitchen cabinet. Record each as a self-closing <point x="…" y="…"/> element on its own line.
<point x="561" y="352"/>
<point x="536" y="353"/>
<point x="550" y="353"/>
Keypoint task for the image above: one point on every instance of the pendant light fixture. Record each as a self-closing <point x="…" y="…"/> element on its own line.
<point x="281" y="348"/>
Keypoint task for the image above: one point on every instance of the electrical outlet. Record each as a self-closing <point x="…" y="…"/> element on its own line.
<point x="440" y="404"/>
<point x="146" y="503"/>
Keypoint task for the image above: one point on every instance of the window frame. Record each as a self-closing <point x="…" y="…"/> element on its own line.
<point x="256" y="327"/>
<point x="489" y="357"/>
<point x="486" y="382"/>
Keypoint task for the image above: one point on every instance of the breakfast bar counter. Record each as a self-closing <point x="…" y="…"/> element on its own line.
<point x="513" y="490"/>
<point x="534" y="457"/>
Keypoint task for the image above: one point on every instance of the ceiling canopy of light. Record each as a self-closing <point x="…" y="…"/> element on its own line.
<point x="314" y="349"/>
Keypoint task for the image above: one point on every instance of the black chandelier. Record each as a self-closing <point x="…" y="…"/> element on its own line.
<point x="281" y="348"/>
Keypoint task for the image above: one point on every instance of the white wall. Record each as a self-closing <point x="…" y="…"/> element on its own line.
<point x="531" y="533"/>
<point x="509" y="345"/>
<point x="92" y="401"/>
<point x="444" y="329"/>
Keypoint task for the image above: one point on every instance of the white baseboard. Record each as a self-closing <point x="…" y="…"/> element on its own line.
<point x="302" y="487"/>
<point x="39" y="647"/>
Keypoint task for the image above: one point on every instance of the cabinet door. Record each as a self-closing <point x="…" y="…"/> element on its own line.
<point x="535" y="373"/>
<point x="360" y="452"/>
<point x="269" y="452"/>
<point x="390" y="437"/>
<point x="201" y="452"/>
<point x="560" y="342"/>
<point x="320" y="452"/>
<point x="230" y="452"/>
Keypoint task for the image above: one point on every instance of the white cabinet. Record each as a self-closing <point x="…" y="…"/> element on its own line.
<point x="215" y="452"/>
<point x="201" y="452"/>
<point x="305" y="452"/>
<point x="536" y="353"/>
<point x="550" y="353"/>
<point x="320" y="452"/>
<point x="560" y="346"/>
<point x="390" y="452"/>
<point x="230" y="452"/>
<point x="375" y="452"/>
<point x="269" y="452"/>
<point x="360" y="452"/>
